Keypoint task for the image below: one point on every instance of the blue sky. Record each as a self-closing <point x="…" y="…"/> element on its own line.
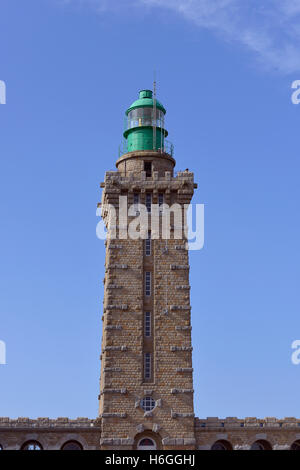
<point x="224" y="71"/>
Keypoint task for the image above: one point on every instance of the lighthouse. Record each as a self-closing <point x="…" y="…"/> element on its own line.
<point x="146" y="384"/>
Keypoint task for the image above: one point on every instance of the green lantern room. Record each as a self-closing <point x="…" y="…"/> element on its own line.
<point x="145" y="125"/>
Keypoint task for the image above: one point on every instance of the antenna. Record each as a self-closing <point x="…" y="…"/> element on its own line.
<point x="161" y="132"/>
<point x="154" y="112"/>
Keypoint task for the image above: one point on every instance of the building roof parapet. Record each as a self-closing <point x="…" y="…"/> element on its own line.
<point x="47" y="422"/>
<point x="248" y="422"/>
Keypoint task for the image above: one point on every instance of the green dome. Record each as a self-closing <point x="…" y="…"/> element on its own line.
<point x="145" y="101"/>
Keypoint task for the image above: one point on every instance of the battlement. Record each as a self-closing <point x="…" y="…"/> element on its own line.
<point x="249" y="422"/>
<point x="27" y="423"/>
<point x="116" y="178"/>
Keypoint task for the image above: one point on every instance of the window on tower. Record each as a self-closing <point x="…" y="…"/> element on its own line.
<point x="146" y="444"/>
<point x="136" y="202"/>
<point x="148" y="283"/>
<point x="148" y="245"/>
<point x="147" y="324"/>
<point x="160" y="201"/>
<point x="148" y="201"/>
<point x="148" y="168"/>
<point x="148" y="403"/>
<point x="147" y="366"/>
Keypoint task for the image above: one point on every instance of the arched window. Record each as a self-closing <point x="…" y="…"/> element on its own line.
<point x="32" y="445"/>
<point x="221" y="445"/>
<point x="72" y="445"/>
<point x="146" y="444"/>
<point x="295" y="445"/>
<point x="261" y="445"/>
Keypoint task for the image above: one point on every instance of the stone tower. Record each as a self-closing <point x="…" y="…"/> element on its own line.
<point x="146" y="385"/>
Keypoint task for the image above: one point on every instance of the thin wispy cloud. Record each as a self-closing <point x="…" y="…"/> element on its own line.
<point x="270" y="29"/>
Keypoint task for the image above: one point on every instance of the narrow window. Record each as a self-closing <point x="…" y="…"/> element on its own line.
<point x="148" y="245"/>
<point x="147" y="324"/>
<point x="147" y="366"/>
<point x="148" y="168"/>
<point x="160" y="201"/>
<point x="136" y="201"/>
<point x="148" y="283"/>
<point x="148" y="201"/>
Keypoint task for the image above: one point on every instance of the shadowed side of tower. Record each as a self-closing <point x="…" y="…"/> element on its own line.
<point x="146" y="385"/>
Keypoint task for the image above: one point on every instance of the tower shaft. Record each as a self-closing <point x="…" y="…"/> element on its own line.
<point x="146" y="385"/>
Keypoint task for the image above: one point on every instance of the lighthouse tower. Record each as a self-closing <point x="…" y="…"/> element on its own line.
<point x="146" y="384"/>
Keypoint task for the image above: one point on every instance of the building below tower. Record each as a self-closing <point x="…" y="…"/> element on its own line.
<point x="210" y="434"/>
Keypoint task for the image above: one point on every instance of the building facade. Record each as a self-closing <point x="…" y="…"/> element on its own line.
<point x="146" y="384"/>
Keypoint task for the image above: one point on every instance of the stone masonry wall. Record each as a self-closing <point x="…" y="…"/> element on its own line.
<point x="122" y="385"/>
<point x="241" y="434"/>
<point x="51" y="434"/>
<point x="238" y="434"/>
